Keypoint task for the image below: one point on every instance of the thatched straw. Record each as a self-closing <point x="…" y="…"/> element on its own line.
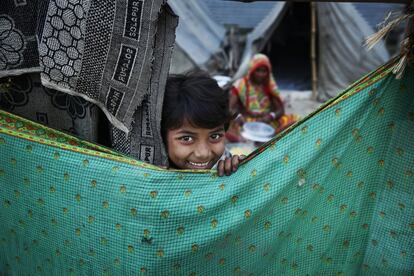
<point x="375" y="38"/>
<point x="407" y="45"/>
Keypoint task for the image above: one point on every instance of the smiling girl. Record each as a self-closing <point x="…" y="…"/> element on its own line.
<point x="194" y="120"/>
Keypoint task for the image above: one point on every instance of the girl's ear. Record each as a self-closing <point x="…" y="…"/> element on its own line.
<point x="233" y="117"/>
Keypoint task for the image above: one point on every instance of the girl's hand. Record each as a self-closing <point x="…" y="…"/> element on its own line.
<point x="229" y="165"/>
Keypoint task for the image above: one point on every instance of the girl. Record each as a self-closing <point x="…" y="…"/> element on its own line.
<point x="194" y="120"/>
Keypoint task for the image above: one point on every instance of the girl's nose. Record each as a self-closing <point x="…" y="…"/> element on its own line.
<point x="202" y="151"/>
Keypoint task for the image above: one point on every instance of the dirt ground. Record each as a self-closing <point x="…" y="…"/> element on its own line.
<point x="299" y="102"/>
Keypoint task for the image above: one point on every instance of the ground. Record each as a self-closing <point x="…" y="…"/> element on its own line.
<point x="299" y="102"/>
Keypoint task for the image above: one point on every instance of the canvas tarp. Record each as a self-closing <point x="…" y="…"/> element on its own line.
<point x="198" y="38"/>
<point x="342" y="57"/>
<point x="200" y="42"/>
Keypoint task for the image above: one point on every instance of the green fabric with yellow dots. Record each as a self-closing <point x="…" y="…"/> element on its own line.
<point x="333" y="195"/>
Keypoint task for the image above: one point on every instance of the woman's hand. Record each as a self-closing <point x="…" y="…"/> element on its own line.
<point x="266" y="118"/>
<point x="229" y="165"/>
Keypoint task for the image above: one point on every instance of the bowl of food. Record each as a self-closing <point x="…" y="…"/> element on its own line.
<point x="257" y="131"/>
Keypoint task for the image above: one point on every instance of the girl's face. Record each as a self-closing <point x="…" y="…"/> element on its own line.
<point x="260" y="74"/>
<point x="195" y="148"/>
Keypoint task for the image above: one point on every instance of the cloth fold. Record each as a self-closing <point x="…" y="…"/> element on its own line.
<point x="25" y="96"/>
<point x="102" y="51"/>
<point x="331" y="195"/>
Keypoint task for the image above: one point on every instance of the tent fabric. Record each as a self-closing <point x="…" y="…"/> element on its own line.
<point x="197" y="34"/>
<point x="201" y="37"/>
<point x="331" y="195"/>
<point x="244" y="15"/>
<point x="257" y="38"/>
<point x="342" y="56"/>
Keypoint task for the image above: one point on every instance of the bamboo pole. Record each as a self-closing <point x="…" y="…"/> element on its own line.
<point x="313" y="51"/>
<point x="409" y="34"/>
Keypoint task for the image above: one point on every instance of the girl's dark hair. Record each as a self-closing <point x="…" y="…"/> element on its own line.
<point x="197" y="98"/>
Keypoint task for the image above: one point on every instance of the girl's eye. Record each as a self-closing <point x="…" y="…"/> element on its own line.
<point x="216" y="136"/>
<point x="186" y="139"/>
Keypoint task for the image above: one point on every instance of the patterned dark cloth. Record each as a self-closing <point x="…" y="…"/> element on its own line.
<point x="144" y="141"/>
<point x="18" y="45"/>
<point x="102" y="51"/>
<point x="25" y="96"/>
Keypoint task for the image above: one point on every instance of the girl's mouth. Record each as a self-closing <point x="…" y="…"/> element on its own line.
<point x="199" y="165"/>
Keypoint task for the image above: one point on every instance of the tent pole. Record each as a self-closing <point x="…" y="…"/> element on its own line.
<point x="409" y="34"/>
<point x="313" y="51"/>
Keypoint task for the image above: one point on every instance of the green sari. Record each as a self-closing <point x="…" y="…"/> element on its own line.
<point x="331" y="195"/>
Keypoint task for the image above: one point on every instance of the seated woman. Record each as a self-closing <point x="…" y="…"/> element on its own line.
<point x="256" y="98"/>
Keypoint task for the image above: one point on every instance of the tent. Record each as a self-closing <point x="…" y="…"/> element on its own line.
<point x="199" y="40"/>
<point x="340" y="56"/>
<point x="283" y="31"/>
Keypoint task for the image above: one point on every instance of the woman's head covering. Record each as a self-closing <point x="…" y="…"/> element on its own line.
<point x="257" y="61"/>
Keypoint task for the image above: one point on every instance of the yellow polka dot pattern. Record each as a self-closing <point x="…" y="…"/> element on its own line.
<point x="330" y="196"/>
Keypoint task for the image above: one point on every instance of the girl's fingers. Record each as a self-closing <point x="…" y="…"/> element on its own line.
<point x="235" y="162"/>
<point x="227" y="166"/>
<point x="220" y="168"/>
